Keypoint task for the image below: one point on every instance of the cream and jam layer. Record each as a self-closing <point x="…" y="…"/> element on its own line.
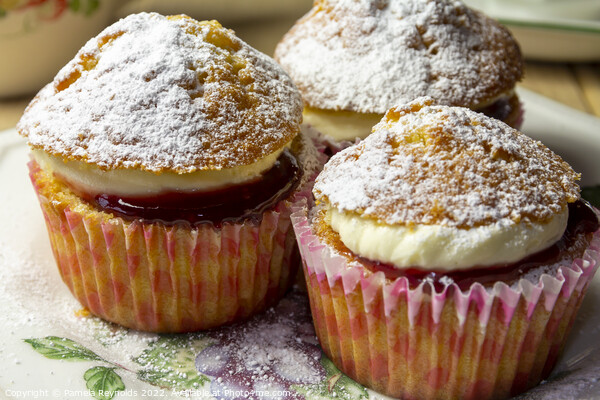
<point x="582" y="223"/>
<point x="136" y="182"/>
<point x="445" y="248"/>
<point x="230" y="202"/>
<point x="348" y="126"/>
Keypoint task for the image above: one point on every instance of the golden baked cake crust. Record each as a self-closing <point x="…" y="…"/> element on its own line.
<point x="165" y="94"/>
<point x="365" y="55"/>
<point x="428" y="164"/>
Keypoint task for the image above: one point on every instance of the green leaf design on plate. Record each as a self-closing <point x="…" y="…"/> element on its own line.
<point x="87" y="7"/>
<point x="58" y="348"/>
<point x="103" y="382"/>
<point x="92" y="5"/>
<point x="592" y="194"/>
<point x="170" y="362"/>
<point x="336" y="385"/>
<point x="74" y="5"/>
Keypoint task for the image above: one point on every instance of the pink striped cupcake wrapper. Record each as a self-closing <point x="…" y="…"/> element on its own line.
<point x="420" y="343"/>
<point x="171" y="278"/>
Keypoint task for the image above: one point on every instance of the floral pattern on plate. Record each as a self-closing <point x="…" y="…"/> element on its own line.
<point x="275" y="355"/>
<point x="49" y="9"/>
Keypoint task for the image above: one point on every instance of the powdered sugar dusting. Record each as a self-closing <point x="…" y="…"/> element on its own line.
<point x="369" y="55"/>
<point x="165" y="93"/>
<point x="427" y="164"/>
<point x="277" y="350"/>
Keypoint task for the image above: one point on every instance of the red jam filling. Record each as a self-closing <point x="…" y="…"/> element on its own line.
<point x="234" y="203"/>
<point x="582" y="222"/>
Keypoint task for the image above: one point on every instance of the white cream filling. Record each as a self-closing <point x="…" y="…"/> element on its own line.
<point x="445" y="248"/>
<point x="131" y="182"/>
<point x="348" y="125"/>
<point x="341" y="125"/>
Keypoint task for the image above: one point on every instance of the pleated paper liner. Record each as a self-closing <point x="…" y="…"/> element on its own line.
<point x="423" y="344"/>
<point x="160" y="278"/>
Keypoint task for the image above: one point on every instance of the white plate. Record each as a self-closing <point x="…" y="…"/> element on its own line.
<point x="556" y="40"/>
<point x="35" y="304"/>
<point x="556" y="30"/>
<point x="573" y="134"/>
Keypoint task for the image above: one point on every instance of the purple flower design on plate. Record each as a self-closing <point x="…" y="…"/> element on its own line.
<point x="275" y="355"/>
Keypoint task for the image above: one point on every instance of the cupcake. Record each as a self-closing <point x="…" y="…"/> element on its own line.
<point x="354" y="59"/>
<point x="166" y="157"/>
<point x="447" y="255"/>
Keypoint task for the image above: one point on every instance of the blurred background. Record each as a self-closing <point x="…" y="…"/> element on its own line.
<point x="559" y="38"/>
